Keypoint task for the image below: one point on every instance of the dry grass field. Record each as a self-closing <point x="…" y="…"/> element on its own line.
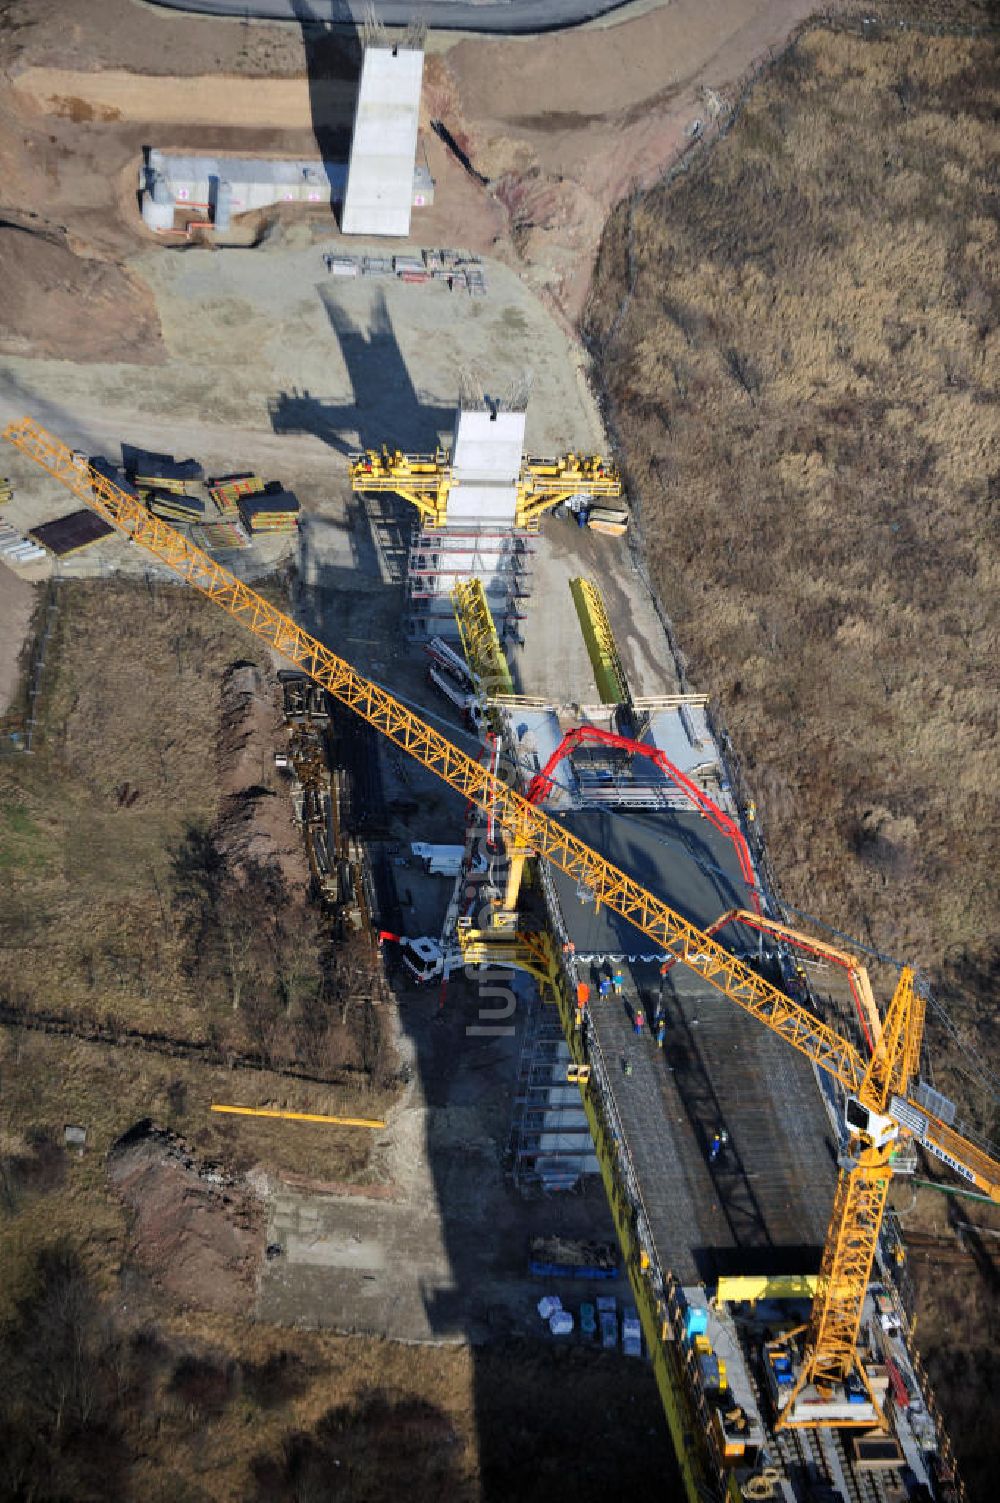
<point x="125" y="764"/>
<point x="153" y="876"/>
<point x="94" y="1405"/>
<point x="805" y="383"/>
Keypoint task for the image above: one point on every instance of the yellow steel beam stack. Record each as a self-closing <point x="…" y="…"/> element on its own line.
<point x="480" y="639"/>
<point x="609" y="674"/>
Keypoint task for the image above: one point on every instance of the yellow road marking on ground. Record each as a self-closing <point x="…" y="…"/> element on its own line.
<point x="261" y="1111"/>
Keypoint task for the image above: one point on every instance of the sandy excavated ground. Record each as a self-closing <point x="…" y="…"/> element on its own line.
<point x="16" y="604"/>
<point x="562" y="125"/>
<point x="198" y="1238"/>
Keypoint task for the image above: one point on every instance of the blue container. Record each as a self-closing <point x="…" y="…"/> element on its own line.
<point x="695" y="1323"/>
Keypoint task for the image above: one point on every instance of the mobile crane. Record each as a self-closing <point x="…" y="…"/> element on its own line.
<point x="881" y="1102"/>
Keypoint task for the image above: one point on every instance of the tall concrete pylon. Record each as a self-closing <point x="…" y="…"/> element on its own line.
<point x="379" y="193"/>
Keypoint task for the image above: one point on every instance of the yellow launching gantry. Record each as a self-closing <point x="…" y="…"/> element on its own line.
<point x="422" y="479"/>
<point x="883" y="1100"/>
<point x="426" y="480"/>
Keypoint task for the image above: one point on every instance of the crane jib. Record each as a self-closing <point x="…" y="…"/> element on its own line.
<point x="609" y="885"/>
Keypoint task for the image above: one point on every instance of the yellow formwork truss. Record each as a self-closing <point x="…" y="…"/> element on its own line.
<point x="422" y="479"/>
<point x="480" y="639"/>
<point x="861" y="1195"/>
<point x="426" y="481"/>
<point x="748" y="1288"/>
<point x="609" y="672"/>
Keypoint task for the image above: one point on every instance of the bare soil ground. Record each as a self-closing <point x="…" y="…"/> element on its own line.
<point x="198" y="1234"/>
<point x="17" y="604"/>
<point x="87" y="97"/>
<point x="71" y="306"/>
<point x="803" y="371"/>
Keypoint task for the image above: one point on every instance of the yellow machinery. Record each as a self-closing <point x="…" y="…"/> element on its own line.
<point x="422" y="479"/>
<point x="547" y="482"/>
<point x="426" y="481"/>
<point x="609" y="673"/>
<point x="531" y="952"/>
<point x="878" y="1089"/>
<point x="480" y="640"/>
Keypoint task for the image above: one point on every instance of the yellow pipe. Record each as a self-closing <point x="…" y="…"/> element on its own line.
<point x="261" y="1111"/>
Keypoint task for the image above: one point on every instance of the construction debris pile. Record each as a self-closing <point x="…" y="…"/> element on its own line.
<point x="319" y="797"/>
<point x="224" y="512"/>
<point x="460" y="271"/>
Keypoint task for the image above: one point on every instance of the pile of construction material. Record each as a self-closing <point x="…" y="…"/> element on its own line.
<point x="173" y="507"/>
<point x="227" y="490"/>
<point x="161" y="472"/>
<point x="224" y="512"/>
<point x="17" y="549"/>
<point x="221" y="537"/>
<point x="459" y="271"/>
<point x="270" y="510"/>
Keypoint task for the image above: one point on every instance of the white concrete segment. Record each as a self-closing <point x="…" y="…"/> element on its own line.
<point x="256" y="182"/>
<point x="488" y="446"/>
<point x="482" y="504"/>
<point x="379" y="192"/>
<point x="486" y="465"/>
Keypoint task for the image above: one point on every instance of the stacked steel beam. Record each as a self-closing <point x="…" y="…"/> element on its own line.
<point x="270" y="511"/>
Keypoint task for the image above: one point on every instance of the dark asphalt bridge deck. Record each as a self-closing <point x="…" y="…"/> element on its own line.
<point x="764" y="1205"/>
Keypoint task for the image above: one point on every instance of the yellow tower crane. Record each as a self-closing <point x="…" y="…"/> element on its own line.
<point x="425" y="480"/>
<point x="879" y="1101"/>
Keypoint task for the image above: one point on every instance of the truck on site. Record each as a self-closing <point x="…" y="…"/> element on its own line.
<point x="452" y="677"/>
<point x="444" y="860"/>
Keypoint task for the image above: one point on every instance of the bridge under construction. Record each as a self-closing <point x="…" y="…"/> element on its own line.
<point x="732" y="1114"/>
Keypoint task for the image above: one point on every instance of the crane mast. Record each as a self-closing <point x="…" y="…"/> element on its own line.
<point x="876" y="1088"/>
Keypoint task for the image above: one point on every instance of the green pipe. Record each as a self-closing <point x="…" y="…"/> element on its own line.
<point x="932" y="1184"/>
